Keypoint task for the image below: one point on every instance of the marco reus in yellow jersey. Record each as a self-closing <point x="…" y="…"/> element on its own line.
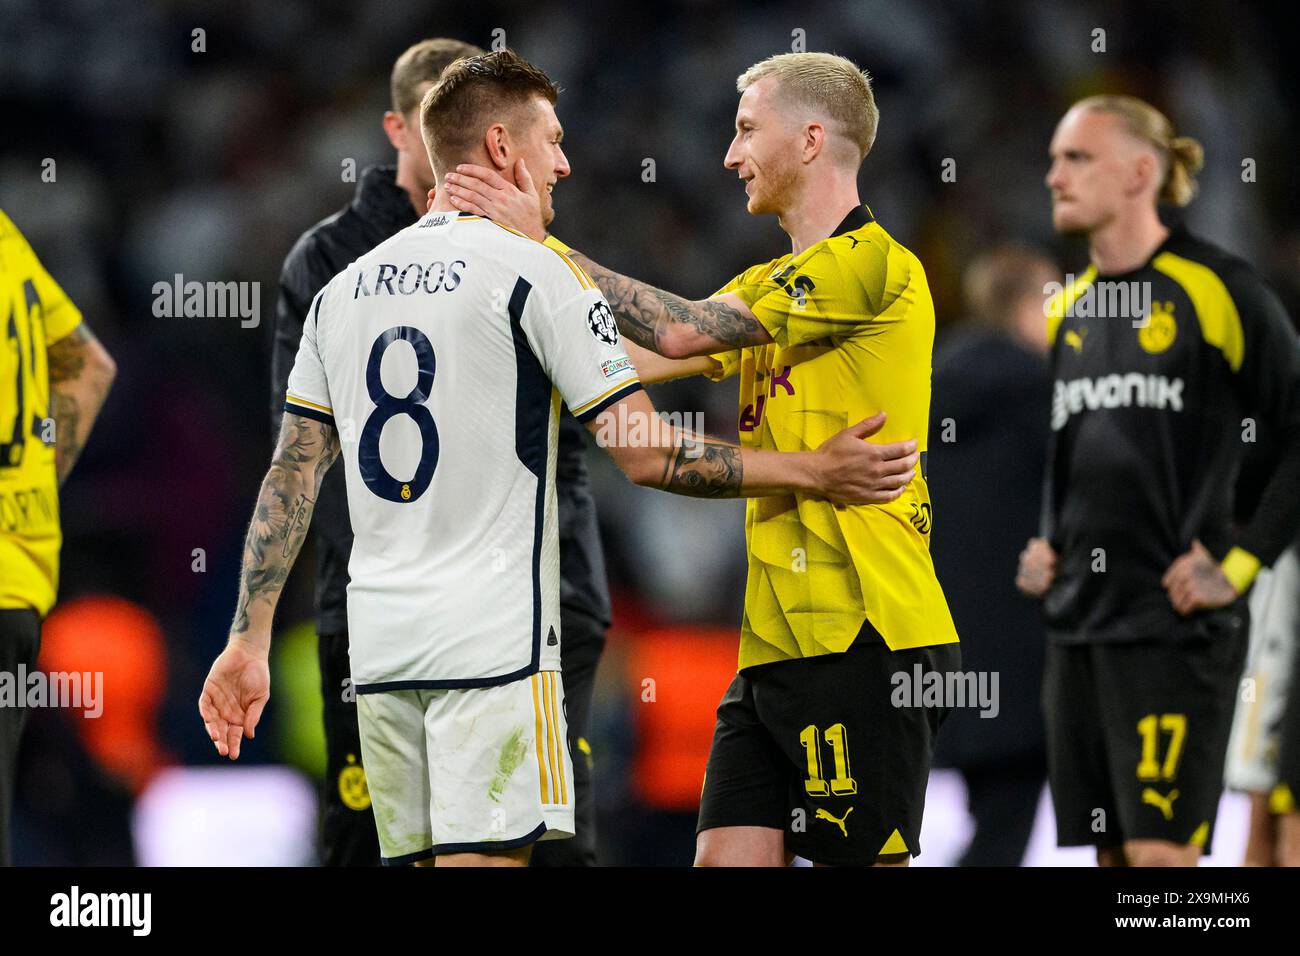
<point x="812" y="754"/>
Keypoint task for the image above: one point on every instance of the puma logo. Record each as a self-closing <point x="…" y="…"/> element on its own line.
<point x="1164" y="804"/>
<point x="825" y="815"/>
<point x="1075" y="339"/>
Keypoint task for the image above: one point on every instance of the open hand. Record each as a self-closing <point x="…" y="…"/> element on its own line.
<point x="485" y="192"/>
<point x="857" y="472"/>
<point x="237" y="688"/>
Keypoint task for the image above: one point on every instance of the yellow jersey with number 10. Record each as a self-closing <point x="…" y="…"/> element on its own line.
<point x="853" y="327"/>
<point x="34" y="313"/>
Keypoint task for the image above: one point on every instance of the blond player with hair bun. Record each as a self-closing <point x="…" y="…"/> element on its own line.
<point x="1165" y="350"/>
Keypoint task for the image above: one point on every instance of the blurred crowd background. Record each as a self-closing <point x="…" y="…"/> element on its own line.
<point x="210" y="164"/>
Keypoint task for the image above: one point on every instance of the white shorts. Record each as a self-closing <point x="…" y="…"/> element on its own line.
<point x="467" y="771"/>
<point x="1274" y="633"/>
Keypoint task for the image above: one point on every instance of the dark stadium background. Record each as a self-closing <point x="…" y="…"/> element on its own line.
<point x="211" y="164"/>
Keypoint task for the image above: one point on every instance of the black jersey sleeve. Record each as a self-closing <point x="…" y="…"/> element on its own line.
<point x="1268" y="382"/>
<point x="300" y="280"/>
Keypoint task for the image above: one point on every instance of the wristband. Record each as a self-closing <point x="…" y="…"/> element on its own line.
<point x="1240" y="568"/>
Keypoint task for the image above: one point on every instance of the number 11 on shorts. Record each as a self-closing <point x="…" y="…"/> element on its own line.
<point x="837" y="738"/>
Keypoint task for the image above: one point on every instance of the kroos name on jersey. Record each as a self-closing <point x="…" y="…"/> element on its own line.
<point x="416" y="277"/>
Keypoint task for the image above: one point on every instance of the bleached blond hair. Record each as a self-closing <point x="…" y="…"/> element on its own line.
<point x="1181" y="156"/>
<point x="831" y="85"/>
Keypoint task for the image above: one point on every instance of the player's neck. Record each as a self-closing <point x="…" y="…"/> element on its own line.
<point x="441" y="200"/>
<point x="817" y="211"/>
<point x="442" y="203"/>
<point x="1127" y="242"/>
<point x="407" y="182"/>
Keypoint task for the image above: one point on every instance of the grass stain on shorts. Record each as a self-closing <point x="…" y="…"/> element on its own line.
<point x="512" y="755"/>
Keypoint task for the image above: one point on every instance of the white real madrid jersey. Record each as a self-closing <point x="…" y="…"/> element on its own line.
<point x="442" y="357"/>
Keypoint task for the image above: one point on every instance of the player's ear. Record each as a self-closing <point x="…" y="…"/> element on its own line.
<point x="497" y="143"/>
<point x="814" y="141"/>
<point x="395" y="128"/>
<point x="1145" y="171"/>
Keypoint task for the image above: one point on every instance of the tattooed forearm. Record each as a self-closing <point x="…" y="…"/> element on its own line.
<point x="67" y="356"/>
<point x="645" y="313"/>
<point x="637" y="312"/>
<point x="258" y="583"/>
<point x="703" y="468"/>
<point x="80" y="375"/>
<point x="65" y="410"/>
<point x="299" y="519"/>
<point x="283" y="513"/>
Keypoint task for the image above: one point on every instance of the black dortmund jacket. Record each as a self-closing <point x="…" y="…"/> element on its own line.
<point x="986" y="482"/>
<point x="1150" y="424"/>
<point x="379" y="209"/>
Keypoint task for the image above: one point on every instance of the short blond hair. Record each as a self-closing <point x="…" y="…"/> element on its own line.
<point x="1182" y="156"/>
<point x="828" y="83"/>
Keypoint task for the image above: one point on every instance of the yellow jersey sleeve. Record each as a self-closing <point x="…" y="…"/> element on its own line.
<point x="727" y="364"/>
<point x="59" y="314"/>
<point x="821" y="296"/>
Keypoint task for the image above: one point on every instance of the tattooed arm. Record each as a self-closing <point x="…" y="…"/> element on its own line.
<point x="239" y="683"/>
<point x="305" y="451"/>
<point x="80" y="374"/>
<point x="675" y="327"/>
<point x="844" y="469"/>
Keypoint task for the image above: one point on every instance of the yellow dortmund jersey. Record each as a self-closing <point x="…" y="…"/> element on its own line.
<point x="853" y="327"/>
<point x="34" y="312"/>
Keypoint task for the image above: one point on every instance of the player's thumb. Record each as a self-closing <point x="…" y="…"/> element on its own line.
<point x="253" y="715"/>
<point x="868" y="426"/>
<point x="522" y="179"/>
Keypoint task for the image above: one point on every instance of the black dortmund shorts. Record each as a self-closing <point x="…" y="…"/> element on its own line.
<point x="1137" y="734"/>
<point x="814" y="747"/>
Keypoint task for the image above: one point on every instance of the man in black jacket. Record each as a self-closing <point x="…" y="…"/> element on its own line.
<point x="389" y="199"/>
<point x="988" y="447"/>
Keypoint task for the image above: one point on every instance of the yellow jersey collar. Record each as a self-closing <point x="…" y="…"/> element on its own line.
<point x="858" y="217"/>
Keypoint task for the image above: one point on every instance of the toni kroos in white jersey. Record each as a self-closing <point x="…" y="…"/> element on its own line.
<point x="441" y="357"/>
<point x="435" y="366"/>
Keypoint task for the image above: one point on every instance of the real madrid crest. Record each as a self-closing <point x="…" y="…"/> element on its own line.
<point x="1160" y="330"/>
